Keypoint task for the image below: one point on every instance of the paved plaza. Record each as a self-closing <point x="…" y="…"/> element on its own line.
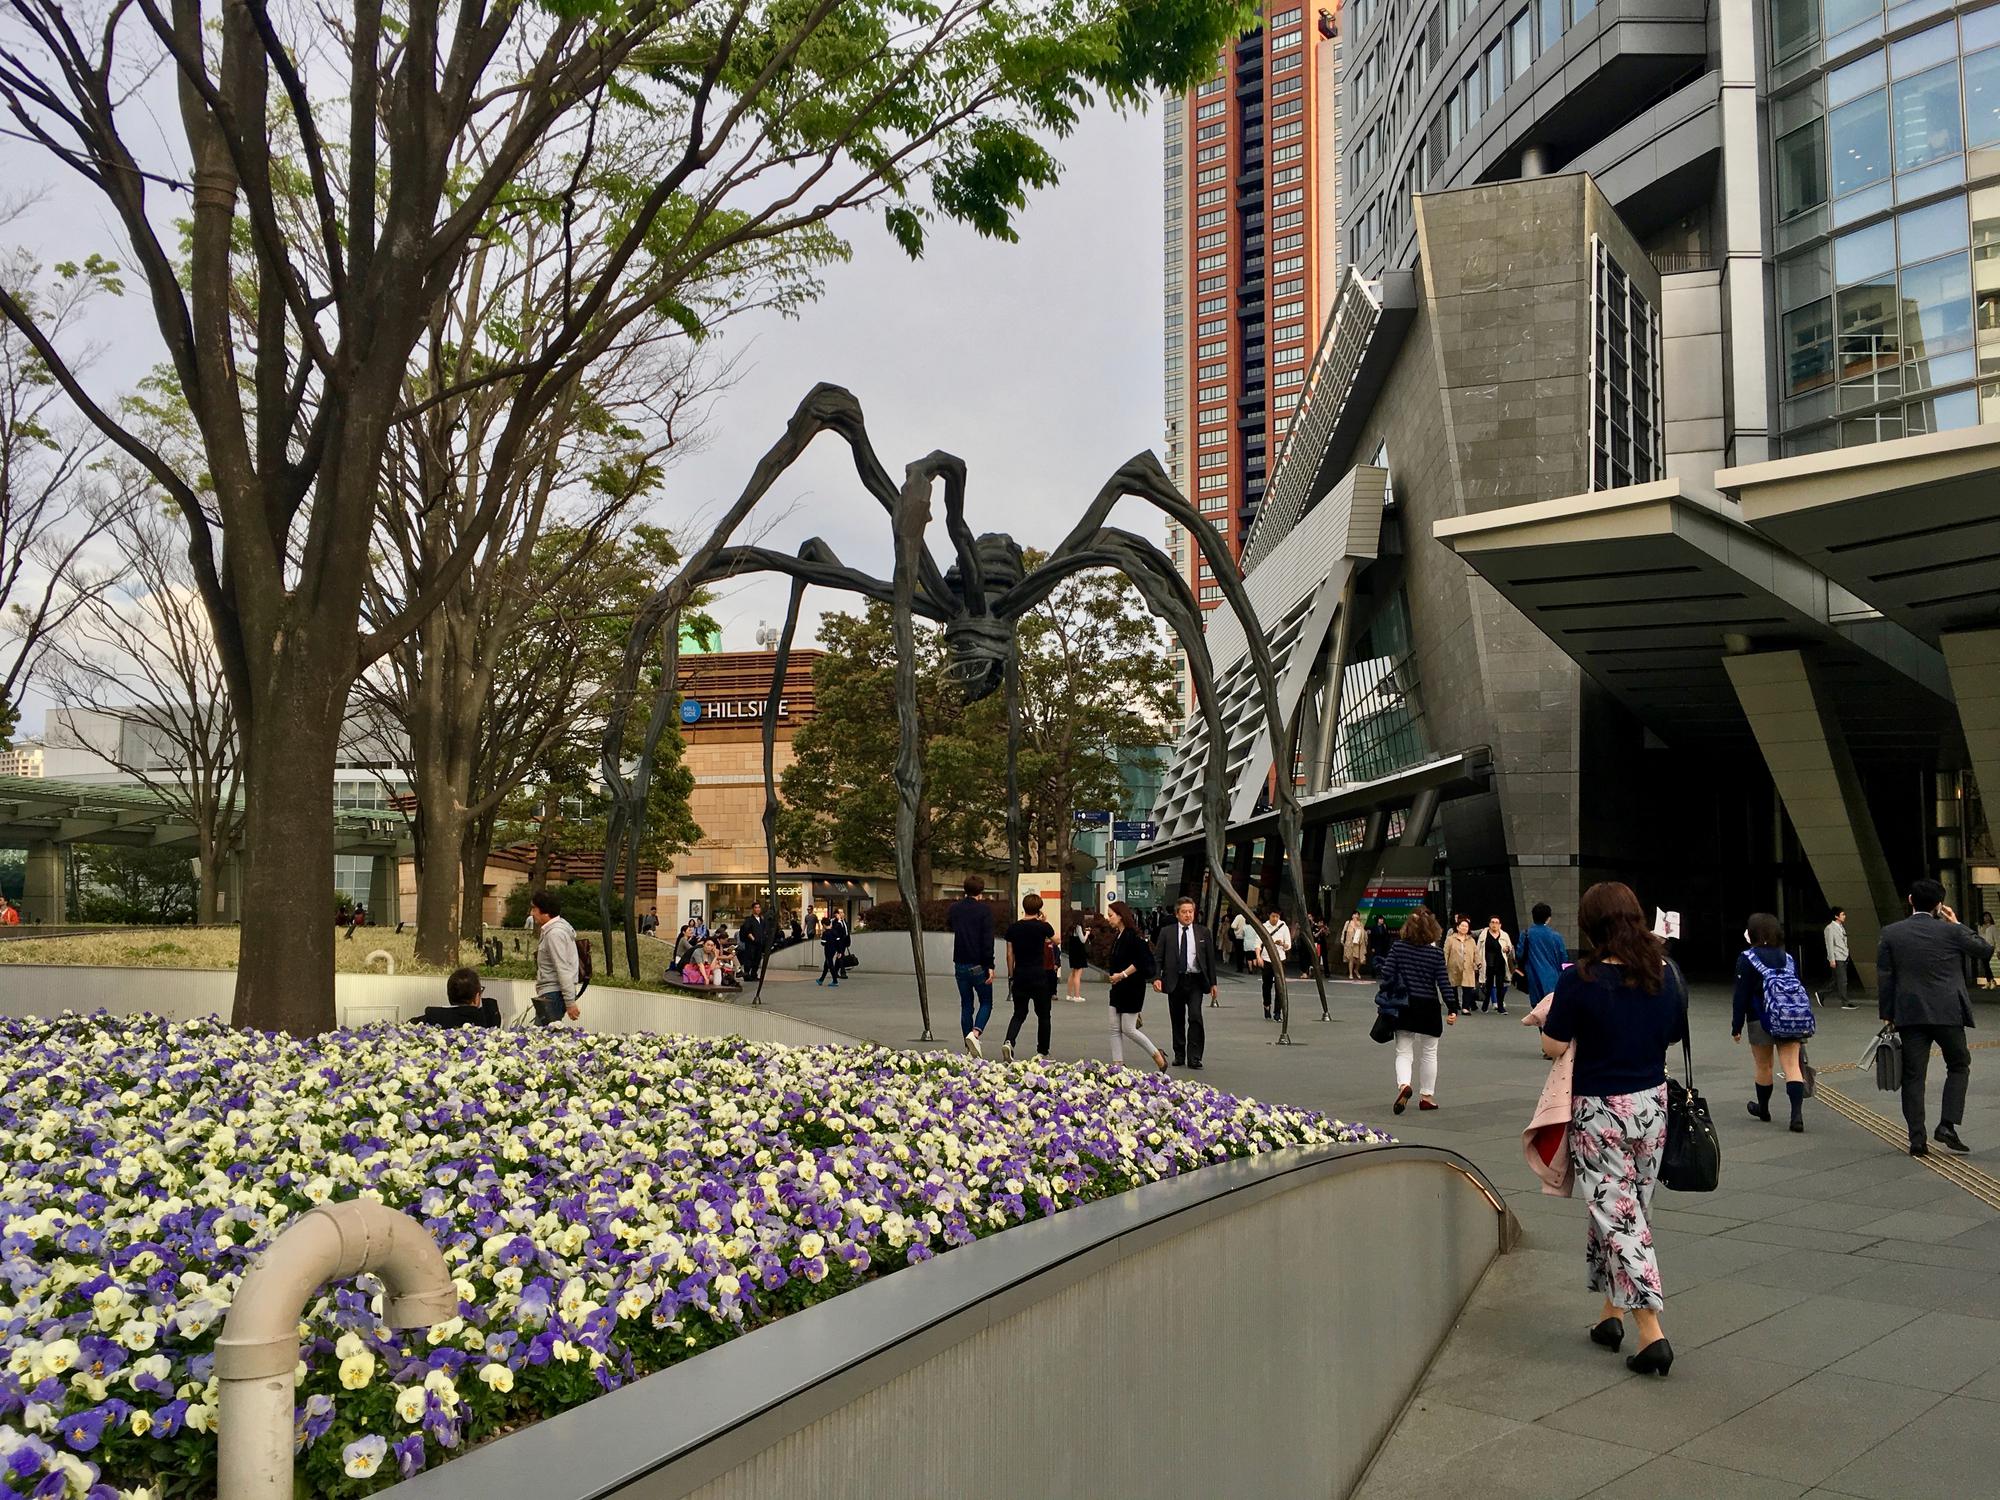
<point x="1834" y="1309"/>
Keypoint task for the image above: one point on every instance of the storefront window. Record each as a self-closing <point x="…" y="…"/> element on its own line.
<point x="1927" y="123"/>
<point x="1802" y="170"/>
<point x="1860" y="136"/>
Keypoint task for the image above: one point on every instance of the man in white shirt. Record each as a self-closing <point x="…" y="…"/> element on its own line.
<point x="1835" y="937"/>
<point x="557" y="969"/>
<point x="1281" y="948"/>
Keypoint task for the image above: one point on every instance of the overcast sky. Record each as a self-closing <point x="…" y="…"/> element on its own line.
<point x="1038" y="363"/>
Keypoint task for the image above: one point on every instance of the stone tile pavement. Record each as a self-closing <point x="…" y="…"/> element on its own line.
<point x="1834" y="1308"/>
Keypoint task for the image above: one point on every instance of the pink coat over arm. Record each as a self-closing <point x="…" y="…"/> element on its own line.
<point x="1545" y="1142"/>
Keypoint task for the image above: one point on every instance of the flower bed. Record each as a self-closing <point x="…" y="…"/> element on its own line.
<point x="608" y="1205"/>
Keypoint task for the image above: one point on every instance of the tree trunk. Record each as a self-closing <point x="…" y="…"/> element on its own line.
<point x="284" y="977"/>
<point x="538" y="876"/>
<point x="208" y="866"/>
<point x="442" y="834"/>
<point x="472" y="880"/>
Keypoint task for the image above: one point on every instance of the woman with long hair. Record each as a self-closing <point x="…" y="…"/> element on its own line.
<point x="1076" y="953"/>
<point x="1130" y="969"/>
<point x="1354" y="944"/>
<point x="1415" y="970"/>
<point x="1766" y="936"/>
<point x="1621" y="1006"/>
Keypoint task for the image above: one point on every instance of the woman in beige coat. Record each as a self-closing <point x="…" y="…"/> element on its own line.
<point x="1354" y="944"/>
<point x="1461" y="962"/>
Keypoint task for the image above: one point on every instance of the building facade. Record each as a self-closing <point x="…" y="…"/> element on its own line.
<point x="1670" y="329"/>
<point x="24" y="758"/>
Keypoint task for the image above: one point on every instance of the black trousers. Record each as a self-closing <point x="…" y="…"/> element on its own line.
<point x="1184" y="1011"/>
<point x="1042" y="996"/>
<point x="1270" y="987"/>
<point x="831" y="966"/>
<point x="1916" y="1062"/>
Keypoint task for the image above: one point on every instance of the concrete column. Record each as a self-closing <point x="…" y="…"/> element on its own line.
<point x="1973" y="658"/>
<point x="1535" y="161"/>
<point x="1806" y="752"/>
<point x="385" y="891"/>
<point x="1743" y="239"/>
<point x="43" y="893"/>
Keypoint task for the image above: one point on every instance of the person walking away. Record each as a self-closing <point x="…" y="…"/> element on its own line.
<point x="752" y="941"/>
<point x="1131" y="967"/>
<point x="557" y="968"/>
<point x="972" y="961"/>
<point x="1032" y="961"/>
<point x="1253" y="954"/>
<point x="1620" y="1007"/>
<point x="1274" y="958"/>
<point x="1354" y="944"/>
<point x="1461" y="964"/>
<point x="1239" y="947"/>
<point x="1920" y="991"/>
<point x="1543" y="954"/>
<point x="1415" y="969"/>
<point x="833" y="942"/>
<point x="1380" y="941"/>
<point x="1184" y="955"/>
<point x="1496" y="967"/>
<point x="1777" y="1011"/>
<point x="1835" y="939"/>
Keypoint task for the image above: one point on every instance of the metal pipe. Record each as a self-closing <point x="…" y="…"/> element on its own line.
<point x="257" y="1355"/>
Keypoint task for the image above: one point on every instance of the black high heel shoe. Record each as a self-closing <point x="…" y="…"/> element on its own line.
<point x="1655" y="1359"/>
<point x="1609" y="1334"/>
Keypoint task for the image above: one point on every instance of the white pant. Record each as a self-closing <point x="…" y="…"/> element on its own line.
<point x="1425" y="1049"/>
<point x="1123" y="1026"/>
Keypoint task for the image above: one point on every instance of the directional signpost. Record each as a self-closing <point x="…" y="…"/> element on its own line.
<point x="1091" y="818"/>
<point x="1134" y="831"/>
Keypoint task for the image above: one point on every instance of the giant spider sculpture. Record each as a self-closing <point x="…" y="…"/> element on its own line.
<point x="978" y="601"/>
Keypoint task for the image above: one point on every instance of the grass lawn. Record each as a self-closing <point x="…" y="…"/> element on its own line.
<point x="215" y="948"/>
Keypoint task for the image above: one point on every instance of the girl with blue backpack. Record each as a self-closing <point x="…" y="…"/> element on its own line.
<point x="1775" y="1006"/>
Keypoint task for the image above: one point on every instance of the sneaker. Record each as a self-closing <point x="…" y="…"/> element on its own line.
<point x="1006" y="1052"/>
<point x="1849" y="1005"/>
<point x="1947" y="1135"/>
<point x="820" y="980"/>
<point x="972" y="1048"/>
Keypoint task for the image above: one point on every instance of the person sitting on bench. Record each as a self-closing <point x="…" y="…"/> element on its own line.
<point x="468" y="1004"/>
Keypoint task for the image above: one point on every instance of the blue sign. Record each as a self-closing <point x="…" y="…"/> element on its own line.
<point x="1095" y="819"/>
<point x="690" y="711"/>
<point x="1134" y="831"/>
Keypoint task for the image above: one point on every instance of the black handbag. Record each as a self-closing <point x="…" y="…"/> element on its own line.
<point x="1384" y="1029"/>
<point x="1692" y="1160"/>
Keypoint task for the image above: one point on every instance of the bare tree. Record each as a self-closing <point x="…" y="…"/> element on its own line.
<point x="137" y="664"/>
<point x="55" y="497"/>
<point x="339" y="164"/>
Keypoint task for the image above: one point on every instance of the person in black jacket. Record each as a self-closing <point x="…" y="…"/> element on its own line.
<point x="833" y="940"/>
<point x="1415" y="970"/>
<point x="1185" y="954"/>
<point x="1131" y="966"/>
<point x="971" y="921"/>
<point x="1920" y="991"/>
<point x="1766" y="936"/>
<point x="468" y="1003"/>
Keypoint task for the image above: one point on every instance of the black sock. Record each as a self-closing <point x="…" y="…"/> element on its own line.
<point x="1764" y="1098"/>
<point x="1796" y="1092"/>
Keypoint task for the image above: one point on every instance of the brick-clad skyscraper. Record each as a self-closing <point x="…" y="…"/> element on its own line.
<point x="1252" y="261"/>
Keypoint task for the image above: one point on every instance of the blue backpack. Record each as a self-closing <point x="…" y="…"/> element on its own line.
<point x="1788" y="1013"/>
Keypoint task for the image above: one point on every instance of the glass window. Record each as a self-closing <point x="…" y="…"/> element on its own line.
<point x="1856" y="79"/>
<point x="1805" y="277"/>
<point x="1982" y="96"/>
<point x="1868" y="343"/>
<point x="1926" y="49"/>
<point x="1937" y="306"/>
<point x="1496" y="70"/>
<point x="1942" y="414"/>
<point x="1794" y="26"/>
<point x="1980" y="29"/>
<point x="1551" y="23"/>
<point x="1841" y="14"/>
<point x="1860" y="136"/>
<point x="1808" y="340"/>
<point x="1926" y="118"/>
<point x="1866" y="255"/>
<point x="1520" y="44"/>
<point x="1925" y="232"/>
<point x="1802" y="170"/>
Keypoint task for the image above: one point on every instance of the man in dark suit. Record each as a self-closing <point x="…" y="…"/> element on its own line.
<point x="1186" y="953"/>
<point x="1920" y="990"/>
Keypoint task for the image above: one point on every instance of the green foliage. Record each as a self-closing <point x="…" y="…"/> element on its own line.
<point x="579" y="904"/>
<point x="140" y="885"/>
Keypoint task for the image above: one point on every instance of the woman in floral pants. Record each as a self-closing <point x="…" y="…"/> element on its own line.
<point x="1620" y="1009"/>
